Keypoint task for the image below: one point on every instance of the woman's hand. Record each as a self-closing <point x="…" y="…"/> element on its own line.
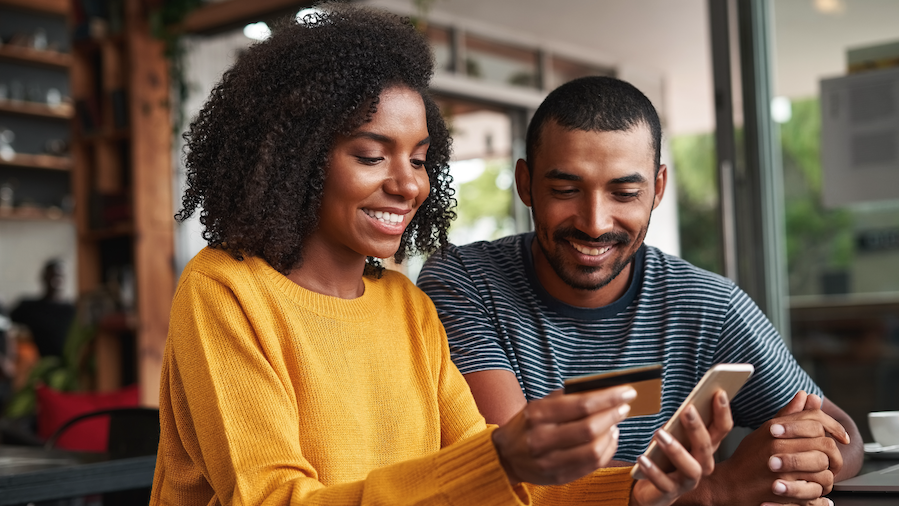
<point x="661" y="489"/>
<point x="561" y="438"/>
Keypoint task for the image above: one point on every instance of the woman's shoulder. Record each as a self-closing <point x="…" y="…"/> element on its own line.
<point x="221" y="266"/>
<point x="392" y="284"/>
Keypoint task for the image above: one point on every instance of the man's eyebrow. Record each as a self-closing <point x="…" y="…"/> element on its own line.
<point x="385" y="139"/>
<point x="636" y="177"/>
<point x="565" y="176"/>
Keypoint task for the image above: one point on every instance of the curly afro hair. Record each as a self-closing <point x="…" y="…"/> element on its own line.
<point x="257" y="153"/>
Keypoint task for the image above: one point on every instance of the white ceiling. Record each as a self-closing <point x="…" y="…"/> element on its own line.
<point x="671" y="37"/>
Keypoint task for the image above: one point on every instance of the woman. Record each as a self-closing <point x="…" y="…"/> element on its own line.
<point x="297" y="370"/>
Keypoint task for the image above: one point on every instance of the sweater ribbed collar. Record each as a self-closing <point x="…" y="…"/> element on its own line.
<point x="360" y="308"/>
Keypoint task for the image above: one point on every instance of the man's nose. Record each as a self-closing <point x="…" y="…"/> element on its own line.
<point x="594" y="217"/>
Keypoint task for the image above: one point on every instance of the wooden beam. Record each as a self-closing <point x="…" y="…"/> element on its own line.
<point x="219" y="16"/>
<point x="47" y="6"/>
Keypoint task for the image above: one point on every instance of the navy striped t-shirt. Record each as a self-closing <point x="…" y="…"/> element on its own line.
<point x="498" y="316"/>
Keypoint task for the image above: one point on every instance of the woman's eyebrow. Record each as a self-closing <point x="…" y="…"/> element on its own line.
<point x="386" y="139"/>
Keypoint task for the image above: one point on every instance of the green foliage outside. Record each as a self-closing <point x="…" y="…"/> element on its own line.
<point x="486" y="198"/>
<point x="697" y="200"/>
<point x="818" y="240"/>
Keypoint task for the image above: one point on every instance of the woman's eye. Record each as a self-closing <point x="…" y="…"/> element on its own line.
<point x="418" y="163"/>
<point x="369" y="160"/>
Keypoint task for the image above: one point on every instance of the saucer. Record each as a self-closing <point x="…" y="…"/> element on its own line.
<point x="876" y="451"/>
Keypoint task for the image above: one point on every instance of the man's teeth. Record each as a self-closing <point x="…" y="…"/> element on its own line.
<point x="590" y="251"/>
<point x="385" y="217"/>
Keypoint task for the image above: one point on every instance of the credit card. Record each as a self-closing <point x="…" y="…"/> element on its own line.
<point x="646" y="380"/>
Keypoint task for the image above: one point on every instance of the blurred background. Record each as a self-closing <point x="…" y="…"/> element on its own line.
<point x="780" y="120"/>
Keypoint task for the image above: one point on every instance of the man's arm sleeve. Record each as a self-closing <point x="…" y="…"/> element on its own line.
<point x="476" y="343"/>
<point x="748" y="336"/>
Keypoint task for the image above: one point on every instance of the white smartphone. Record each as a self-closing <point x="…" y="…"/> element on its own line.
<point x="727" y="377"/>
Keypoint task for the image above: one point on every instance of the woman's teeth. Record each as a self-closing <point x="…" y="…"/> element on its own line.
<point x="385" y="217"/>
<point x="589" y="251"/>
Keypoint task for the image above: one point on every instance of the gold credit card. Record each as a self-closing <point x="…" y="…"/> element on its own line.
<point x="646" y="380"/>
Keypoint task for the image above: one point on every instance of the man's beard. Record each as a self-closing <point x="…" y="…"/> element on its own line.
<point x="556" y="261"/>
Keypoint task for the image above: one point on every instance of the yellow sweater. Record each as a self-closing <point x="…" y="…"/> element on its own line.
<point x="273" y="394"/>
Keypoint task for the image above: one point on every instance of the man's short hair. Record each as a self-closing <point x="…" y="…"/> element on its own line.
<point x="595" y="104"/>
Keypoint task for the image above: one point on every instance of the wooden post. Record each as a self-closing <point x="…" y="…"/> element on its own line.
<point x="151" y="133"/>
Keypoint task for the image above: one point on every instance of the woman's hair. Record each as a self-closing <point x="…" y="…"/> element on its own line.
<point x="257" y="153"/>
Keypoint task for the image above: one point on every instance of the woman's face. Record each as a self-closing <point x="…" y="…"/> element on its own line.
<point x="376" y="179"/>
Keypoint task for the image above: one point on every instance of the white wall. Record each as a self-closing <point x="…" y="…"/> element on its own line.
<point x="24" y="248"/>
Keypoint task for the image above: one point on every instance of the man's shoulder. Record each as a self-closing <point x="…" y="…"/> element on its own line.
<point x="664" y="270"/>
<point x="500" y="253"/>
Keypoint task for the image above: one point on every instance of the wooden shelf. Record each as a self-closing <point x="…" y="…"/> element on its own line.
<point x="38" y="162"/>
<point x="60" y="7"/>
<point x="62" y="111"/>
<point x="35" y="56"/>
<point x="34" y="214"/>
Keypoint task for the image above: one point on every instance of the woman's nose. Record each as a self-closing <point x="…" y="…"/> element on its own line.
<point x="405" y="180"/>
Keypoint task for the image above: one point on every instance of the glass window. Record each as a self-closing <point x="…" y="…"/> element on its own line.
<point x="482" y="170"/>
<point x="500" y="63"/>
<point x="564" y="70"/>
<point x="842" y="220"/>
<point x="441" y="41"/>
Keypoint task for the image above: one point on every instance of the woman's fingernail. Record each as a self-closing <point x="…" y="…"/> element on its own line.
<point x="829" y="501"/>
<point x="615" y="432"/>
<point x="780" y="487"/>
<point x="775" y="463"/>
<point x="645" y="463"/>
<point x="847" y="437"/>
<point x="624" y="409"/>
<point x="629" y="394"/>
<point x="777" y="430"/>
<point x="666" y="438"/>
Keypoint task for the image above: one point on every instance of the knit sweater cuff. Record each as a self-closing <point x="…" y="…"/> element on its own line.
<point x="469" y="472"/>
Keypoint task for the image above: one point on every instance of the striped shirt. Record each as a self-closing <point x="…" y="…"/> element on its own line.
<point x="498" y="316"/>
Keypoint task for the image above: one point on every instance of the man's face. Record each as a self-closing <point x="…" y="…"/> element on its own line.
<point x="591" y="195"/>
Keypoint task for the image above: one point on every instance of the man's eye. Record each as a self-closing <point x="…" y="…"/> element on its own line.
<point x="628" y="195"/>
<point x="564" y="191"/>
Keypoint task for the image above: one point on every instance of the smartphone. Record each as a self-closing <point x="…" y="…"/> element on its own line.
<point x="727" y="377"/>
<point x="646" y="380"/>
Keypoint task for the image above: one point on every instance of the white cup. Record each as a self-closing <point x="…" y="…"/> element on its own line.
<point x="884" y="427"/>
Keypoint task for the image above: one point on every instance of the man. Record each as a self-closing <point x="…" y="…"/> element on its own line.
<point x="49" y="316"/>
<point x="583" y="294"/>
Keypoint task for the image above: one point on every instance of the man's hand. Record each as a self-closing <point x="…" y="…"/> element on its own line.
<point x="792" y="459"/>
<point x="561" y="438"/>
<point x="660" y="489"/>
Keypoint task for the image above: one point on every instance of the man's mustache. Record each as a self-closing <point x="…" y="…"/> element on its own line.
<point x="565" y="233"/>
